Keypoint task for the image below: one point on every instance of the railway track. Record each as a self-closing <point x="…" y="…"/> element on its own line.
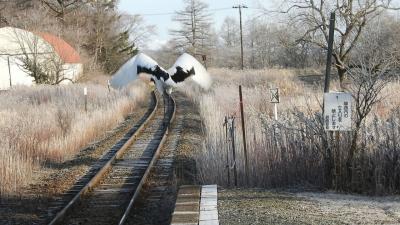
<point x="159" y="195"/>
<point x="111" y="192"/>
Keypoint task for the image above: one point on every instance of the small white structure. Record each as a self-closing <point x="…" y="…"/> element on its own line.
<point x="15" y="44"/>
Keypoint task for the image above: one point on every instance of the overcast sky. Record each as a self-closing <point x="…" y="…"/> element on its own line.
<point x="160" y="13"/>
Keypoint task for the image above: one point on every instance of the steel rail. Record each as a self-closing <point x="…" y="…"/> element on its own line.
<point x="150" y="166"/>
<point x="95" y="179"/>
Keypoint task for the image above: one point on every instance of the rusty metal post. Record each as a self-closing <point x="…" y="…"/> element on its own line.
<point x="244" y="134"/>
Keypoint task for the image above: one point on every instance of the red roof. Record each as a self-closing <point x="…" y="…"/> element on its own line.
<point x="66" y="52"/>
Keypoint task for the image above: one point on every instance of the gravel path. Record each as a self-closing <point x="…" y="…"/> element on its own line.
<point x="256" y="206"/>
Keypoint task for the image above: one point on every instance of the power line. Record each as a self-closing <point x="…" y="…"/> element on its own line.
<point x="157" y="14"/>
<point x="172" y="13"/>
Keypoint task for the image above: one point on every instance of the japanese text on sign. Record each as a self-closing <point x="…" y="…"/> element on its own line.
<point x="337" y="111"/>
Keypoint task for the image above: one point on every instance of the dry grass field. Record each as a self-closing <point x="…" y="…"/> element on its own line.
<point x="290" y="152"/>
<point x="45" y="124"/>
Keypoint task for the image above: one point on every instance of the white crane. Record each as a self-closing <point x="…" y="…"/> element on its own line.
<point x="186" y="66"/>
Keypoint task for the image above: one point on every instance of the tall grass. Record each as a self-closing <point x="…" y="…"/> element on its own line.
<point x="292" y="150"/>
<point x="49" y="124"/>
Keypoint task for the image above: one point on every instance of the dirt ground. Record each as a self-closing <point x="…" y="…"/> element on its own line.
<point x="257" y="206"/>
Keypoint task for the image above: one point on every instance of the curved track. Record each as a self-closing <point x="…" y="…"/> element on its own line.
<point x="108" y="197"/>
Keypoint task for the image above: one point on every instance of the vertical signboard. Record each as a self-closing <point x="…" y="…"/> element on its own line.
<point x="337" y="111"/>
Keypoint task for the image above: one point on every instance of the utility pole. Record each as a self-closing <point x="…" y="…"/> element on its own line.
<point x="241" y="30"/>
<point x="329" y="54"/>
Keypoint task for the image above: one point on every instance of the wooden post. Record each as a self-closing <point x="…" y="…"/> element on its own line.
<point x="108" y="85"/>
<point x="204" y="58"/>
<point x="240" y="7"/>
<point x="244" y="134"/>
<point x="9" y="70"/>
<point x="85" y="93"/>
<point x="276" y="111"/>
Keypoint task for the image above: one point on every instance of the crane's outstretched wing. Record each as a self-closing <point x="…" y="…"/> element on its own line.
<point x="140" y="63"/>
<point x="186" y="66"/>
<point x="126" y="74"/>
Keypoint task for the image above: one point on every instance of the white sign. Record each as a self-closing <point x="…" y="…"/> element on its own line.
<point x="337" y="111"/>
<point x="85" y="91"/>
<point x="274" y="95"/>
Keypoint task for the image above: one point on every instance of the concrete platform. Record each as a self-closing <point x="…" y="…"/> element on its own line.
<point x="196" y="205"/>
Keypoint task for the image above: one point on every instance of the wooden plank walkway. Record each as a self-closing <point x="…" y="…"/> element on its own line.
<point x="196" y="205"/>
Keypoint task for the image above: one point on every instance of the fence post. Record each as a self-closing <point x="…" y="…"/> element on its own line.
<point x="85" y="94"/>
<point x="9" y="70"/>
<point x="244" y="134"/>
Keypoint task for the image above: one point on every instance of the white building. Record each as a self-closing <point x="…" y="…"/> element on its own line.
<point x="47" y="49"/>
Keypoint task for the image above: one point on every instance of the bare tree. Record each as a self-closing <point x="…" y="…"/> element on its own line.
<point x="195" y="24"/>
<point x="135" y="25"/>
<point x="229" y="32"/>
<point x="376" y="68"/>
<point x="352" y="17"/>
<point x="60" y="8"/>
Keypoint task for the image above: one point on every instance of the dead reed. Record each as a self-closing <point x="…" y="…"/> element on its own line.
<point x="49" y="123"/>
<point x="292" y="150"/>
